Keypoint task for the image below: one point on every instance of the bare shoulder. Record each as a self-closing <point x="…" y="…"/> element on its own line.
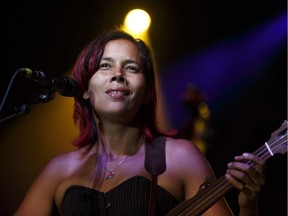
<point x="42" y="191"/>
<point x="182" y="147"/>
<point x="184" y="155"/>
<point x="64" y="163"/>
<point x="187" y="166"/>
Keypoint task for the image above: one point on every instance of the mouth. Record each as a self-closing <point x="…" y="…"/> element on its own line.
<point x="118" y="92"/>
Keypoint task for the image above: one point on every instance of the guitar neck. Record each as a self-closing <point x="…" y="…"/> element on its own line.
<point x="203" y="199"/>
<point x="209" y="195"/>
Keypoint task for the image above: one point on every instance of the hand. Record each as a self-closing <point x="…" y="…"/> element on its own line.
<point x="247" y="178"/>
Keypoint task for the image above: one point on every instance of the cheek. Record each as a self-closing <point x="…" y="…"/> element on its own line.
<point x="94" y="84"/>
<point x="92" y="98"/>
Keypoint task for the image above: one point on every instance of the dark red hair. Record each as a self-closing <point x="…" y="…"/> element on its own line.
<point x="87" y="64"/>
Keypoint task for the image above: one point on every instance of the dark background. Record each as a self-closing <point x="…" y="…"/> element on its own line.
<point x="48" y="35"/>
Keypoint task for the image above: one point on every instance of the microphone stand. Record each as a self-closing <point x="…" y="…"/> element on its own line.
<point x="25" y="108"/>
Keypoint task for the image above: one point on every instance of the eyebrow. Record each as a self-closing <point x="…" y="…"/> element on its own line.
<point x="107" y="59"/>
<point x="126" y="61"/>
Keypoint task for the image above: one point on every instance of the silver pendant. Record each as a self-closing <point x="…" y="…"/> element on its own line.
<point x="110" y="175"/>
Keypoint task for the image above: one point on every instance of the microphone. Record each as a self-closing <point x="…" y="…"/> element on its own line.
<point x="65" y="86"/>
<point x="37" y="76"/>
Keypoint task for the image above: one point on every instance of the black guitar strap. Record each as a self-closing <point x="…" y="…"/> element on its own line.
<point x="155" y="164"/>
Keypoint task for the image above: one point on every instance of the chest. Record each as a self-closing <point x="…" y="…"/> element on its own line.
<point x="105" y="177"/>
<point x="129" y="198"/>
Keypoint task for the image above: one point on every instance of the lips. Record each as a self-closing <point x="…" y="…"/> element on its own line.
<point x="119" y="92"/>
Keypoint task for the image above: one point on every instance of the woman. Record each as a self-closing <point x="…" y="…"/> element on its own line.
<point x="110" y="173"/>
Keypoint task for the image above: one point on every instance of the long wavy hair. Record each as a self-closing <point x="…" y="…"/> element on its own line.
<point x="87" y="64"/>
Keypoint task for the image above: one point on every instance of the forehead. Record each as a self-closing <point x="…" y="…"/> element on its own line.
<point x="121" y="48"/>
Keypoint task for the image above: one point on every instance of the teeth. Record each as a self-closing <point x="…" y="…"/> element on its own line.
<point x="118" y="93"/>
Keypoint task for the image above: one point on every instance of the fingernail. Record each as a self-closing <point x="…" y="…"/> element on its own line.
<point x="245" y="154"/>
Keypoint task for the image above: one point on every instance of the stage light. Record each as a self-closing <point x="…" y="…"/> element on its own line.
<point x="137" y="21"/>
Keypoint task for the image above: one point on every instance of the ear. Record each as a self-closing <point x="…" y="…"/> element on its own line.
<point x="85" y="95"/>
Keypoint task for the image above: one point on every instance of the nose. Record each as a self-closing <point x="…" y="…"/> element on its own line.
<point x="119" y="78"/>
<point x="119" y="75"/>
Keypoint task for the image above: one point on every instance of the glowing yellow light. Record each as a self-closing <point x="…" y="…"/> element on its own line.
<point x="137" y="21"/>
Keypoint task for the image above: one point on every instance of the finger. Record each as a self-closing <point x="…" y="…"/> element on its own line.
<point x="252" y="172"/>
<point x="257" y="163"/>
<point x="257" y="177"/>
<point x="240" y="179"/>
<point x="237" y="184"/>
<point x="239" y="166"/>
<point x="251" y="157"/>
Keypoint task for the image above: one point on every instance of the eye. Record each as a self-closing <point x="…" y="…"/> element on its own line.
<point x="132" y="68"/>
<point x="104" y="66"/>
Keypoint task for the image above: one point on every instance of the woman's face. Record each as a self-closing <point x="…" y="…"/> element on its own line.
<point x="118" y="98"/>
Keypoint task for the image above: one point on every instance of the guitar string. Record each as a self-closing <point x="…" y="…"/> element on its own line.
<point x="260" y="150"/>
<point x="223" y="183"/>
<point x="200" y="204"/>
<point x="220" y="187"/>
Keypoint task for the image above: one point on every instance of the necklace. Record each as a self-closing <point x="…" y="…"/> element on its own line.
<point x="111" y="173"/>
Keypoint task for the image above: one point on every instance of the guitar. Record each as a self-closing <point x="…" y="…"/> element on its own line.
<point x="211" y="191"/>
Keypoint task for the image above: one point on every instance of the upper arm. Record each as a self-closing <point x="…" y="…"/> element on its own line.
<point x="194" y="169"/>
<point x="189" y="164"/>
<point x="39" y="199"/>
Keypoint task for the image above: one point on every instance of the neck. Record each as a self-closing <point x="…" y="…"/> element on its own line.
<point x="120" y="145"/>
